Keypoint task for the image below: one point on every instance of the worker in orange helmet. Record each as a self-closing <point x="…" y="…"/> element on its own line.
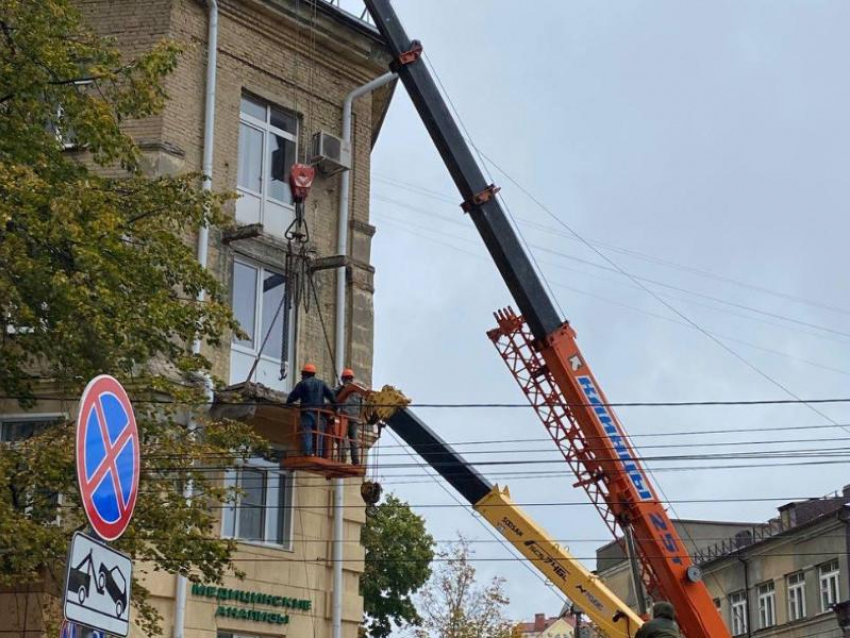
<point x="352" y="408"/>
<point x="311" y="393"/>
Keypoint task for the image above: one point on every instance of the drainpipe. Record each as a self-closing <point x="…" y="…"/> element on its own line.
<point x="844" y="516"/>
<point x="203" y="251"/>
<point x="747" y="595"/>
<point x="339" y="342"/>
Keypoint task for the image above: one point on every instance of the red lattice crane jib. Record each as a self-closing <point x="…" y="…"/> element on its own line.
<point x="566" y="396"/>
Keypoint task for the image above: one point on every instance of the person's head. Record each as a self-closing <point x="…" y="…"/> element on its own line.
<point x="663" y="609"/>
<point x="347" y="375"/>
<point x="309" y="370"/>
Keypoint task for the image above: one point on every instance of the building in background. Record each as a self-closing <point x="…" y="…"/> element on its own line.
<point x="562" y="626"/>
<point x="780" y="578"/>
<point x="284" y="69"/>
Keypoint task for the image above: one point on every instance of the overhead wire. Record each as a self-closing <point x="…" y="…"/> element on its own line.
<point x="502" y="542"/>
<point x="436" y="195"/>
<point x="649" y="291"/>
<point x="484" y="167"/>
<point x="560" y="254"/>
<point x="484" y="405"/>
<point x="648" y="313"/>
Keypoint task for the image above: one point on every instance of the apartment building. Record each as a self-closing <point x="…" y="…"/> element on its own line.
<point x="781" y="578"/>
<point x="284" y="69"/>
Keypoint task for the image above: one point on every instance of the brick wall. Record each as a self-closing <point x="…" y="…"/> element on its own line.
<point x="305" y="62"/>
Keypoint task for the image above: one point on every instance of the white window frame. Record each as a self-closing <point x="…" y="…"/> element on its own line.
<point x="738" y="613"/>
<point x="767" y="604"/>
<point x="259" y="335"/>
<point x="266" y="128"/>
<point x="796" y="586"/>
<point x="230" y="519"/>
<point x="829" y="584"/>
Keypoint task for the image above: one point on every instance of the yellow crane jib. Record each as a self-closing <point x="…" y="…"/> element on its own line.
<point x="584" y="588"/>
<point x="608" y="613"/>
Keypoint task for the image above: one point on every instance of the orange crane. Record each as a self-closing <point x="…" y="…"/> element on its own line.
<point x="541" y="352"/>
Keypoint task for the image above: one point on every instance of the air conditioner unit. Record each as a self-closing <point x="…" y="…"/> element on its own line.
<point x="330" y="154"/>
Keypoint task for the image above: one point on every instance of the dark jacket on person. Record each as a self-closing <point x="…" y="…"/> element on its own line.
<point x="310" y="392"/>
<point x="659" y="628"/>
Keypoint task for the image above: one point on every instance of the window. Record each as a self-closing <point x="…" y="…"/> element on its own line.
<point x="828" y="573"/>
<point x="767" y="605"/>
<point x="796" y="584"/>
<point x="263" y="510"/>
<point x="41" y="503"/>
<point x="738" y="611"/>
<point x="15" y="429"/>
<point x="268" y="146"/>
<point x="258" y="307"/>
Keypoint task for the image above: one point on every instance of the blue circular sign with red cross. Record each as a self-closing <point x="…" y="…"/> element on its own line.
<point x="107" y="456"/>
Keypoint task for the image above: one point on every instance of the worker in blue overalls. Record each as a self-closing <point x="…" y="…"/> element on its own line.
<point x="311" y="393"/>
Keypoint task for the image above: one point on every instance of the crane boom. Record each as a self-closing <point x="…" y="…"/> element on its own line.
<point x="586" y="590"/>
<point x="541" y="350"/>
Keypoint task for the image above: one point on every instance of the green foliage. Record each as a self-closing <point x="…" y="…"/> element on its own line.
<point x="399" y="552"/>
<point x="455" y="605"/>
<point x="97" y="276"/>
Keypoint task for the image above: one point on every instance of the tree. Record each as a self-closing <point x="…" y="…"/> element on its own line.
<point x="455" y="605"/>
<point x="399" y="552"/>
<point x="96" y="276"/>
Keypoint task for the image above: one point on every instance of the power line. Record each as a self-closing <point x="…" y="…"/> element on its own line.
<point x="482" y="405"/>
<point x="321" y="560"/>
<point x="511" y="475"/>
<point x="655" y="282"/>
<point x="502" y="542"/>
<point x="466" y="506"/>
<point x="404" y="228"/>
<point x="396" y="183"/>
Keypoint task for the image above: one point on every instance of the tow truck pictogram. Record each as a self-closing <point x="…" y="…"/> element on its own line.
<point x="107" y="581"/>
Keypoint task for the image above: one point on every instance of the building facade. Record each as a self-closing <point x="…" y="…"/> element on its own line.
<point x="284" y="69"/>
<point x="562" y="626"/>
<point x="776" y="579"/>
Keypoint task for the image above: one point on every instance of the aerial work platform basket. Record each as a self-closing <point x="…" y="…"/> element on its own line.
<point x="325" y="447"/>
<point x="328" y="441"/>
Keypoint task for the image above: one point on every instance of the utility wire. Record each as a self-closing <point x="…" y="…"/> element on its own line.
<point x="484" y="167"/>
<point x="404" y="228"/>
<point x="551" y="230"/>
<point x="455" y="406"/>
<point x="502" y="542"/>
<point x="686" y="291"/>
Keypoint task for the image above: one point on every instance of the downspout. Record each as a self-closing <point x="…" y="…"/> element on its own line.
<point x="749" y="616"/>
<point x="203" y="252"/>
<point x="339" y="341"/>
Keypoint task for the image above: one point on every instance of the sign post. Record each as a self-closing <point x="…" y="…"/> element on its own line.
<point x="98" y="578"/>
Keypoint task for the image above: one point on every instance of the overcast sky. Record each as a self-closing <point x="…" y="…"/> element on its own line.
<point x="704" y="148"/>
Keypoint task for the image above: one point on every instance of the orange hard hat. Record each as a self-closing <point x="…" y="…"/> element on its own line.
<point x="348" y="373"/>
<point x="309" y="367"/>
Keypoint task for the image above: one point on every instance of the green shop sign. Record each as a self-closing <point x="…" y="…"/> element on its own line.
<point x="224" y="594"/>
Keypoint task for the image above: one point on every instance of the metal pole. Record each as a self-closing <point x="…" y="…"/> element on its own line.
<point x="203" y="252"/>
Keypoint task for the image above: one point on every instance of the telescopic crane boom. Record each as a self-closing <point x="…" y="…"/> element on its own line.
<point x="541" y="351"/>
<point x="586" y="590"/>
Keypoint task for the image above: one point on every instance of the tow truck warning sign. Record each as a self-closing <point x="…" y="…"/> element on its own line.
<point x="97" y="586"/>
